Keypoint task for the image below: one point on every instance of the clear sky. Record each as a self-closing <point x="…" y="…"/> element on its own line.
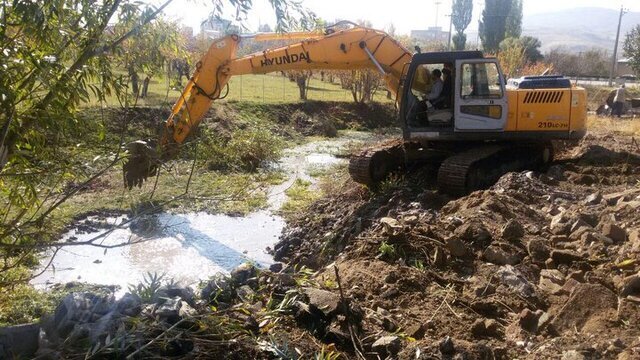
<point x="404" y="14"/>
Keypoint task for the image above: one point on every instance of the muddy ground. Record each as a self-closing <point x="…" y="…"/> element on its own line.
<point x="541" y="265"/>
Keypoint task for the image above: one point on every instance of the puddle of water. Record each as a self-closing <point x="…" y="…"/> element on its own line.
<point x="194" y="246"/>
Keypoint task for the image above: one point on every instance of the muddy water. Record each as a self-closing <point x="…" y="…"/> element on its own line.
<point x="193" y="246"/>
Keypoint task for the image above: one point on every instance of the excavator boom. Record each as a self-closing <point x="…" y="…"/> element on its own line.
<point x="348" y="49"/>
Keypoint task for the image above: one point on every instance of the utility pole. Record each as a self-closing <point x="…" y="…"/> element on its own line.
<point x="437" y="3"/>
<point x="615" y="47"/>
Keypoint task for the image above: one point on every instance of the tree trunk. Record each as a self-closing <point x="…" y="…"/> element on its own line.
<point x="135" y="87"/>
<point x="145" y="87"/>
<point x="301" y="80"/>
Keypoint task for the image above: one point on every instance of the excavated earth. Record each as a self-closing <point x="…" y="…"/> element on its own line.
<point x="541" y="265"/>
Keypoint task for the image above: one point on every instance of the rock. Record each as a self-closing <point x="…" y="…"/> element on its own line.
<point x="446" y="346"/>
<point x="614" y="232"/>
<point x="578" y="224"/>
<point x="129" y="304"/>
<point x="551" y="281"/>
<point x="556" y="239"/>
<point x="485" y="328"/>
<point x="245" y="293"/>
<point x="513" y="279"/>
<point x="565" y="257"/>
<point x="628" y="311"/>
<point x="593" y="199"/>
<point x="306" y="317"/>
<point x="538" y="250"/>
<point x="456" y="247"/>
<point x="502" y="254"/>
<point x="326" y="302"/>
<point x="577" y="234"/>
<point x="588" y="309"/>
<point x="276" y="267"/>
<point x="416" y="331"/>
<point x="474" y="232"/>
<point x="572" y="355"/>
<point x="241" y="274"/>
<point x="543" y="321"/>
<point x="590" y="238"/>
<point x="478" y="328"/>
<point x="169" y="311"/>
<point x="79" y="308"/>
<point x="19" y="342"/>
<point x="528" y="320"/>
<point x="387" y="345"/>
<point x="630" y="286"/>
<point x="173" y="290"/>
<point x="512" y="230"/>
<point x="557" y="172"/>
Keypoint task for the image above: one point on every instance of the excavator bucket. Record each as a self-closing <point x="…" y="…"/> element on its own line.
<point x="143" y="162"/>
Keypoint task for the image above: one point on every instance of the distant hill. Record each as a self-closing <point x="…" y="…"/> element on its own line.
<point x="580" y="28"/>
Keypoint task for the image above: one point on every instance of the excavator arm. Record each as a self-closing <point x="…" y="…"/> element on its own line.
<point x="348" y="49"/>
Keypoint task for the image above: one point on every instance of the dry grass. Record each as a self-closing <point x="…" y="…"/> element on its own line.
<point x="625" y="126"/>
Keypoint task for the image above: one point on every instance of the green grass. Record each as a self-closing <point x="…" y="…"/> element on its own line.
<point x="270" y="88"/>
<point x="300" y="196"/>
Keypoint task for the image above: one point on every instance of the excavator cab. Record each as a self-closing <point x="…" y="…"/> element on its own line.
<point x="474" y="95"/>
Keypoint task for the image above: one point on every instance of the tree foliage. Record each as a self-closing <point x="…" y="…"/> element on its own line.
<point x="593" y="62"/>
<point x="632" y="48"/>
<point x="462" y="11"/>
<point x="530" y="47"/>
<point x="493" y="24"/>
<point x="514" y="20"/>
<point x="56" y="56"/>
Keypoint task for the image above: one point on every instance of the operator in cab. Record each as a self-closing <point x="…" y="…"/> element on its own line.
<point x="436" y="87"/>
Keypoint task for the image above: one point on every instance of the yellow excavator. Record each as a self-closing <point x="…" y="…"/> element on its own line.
<point x="476" y="126"/>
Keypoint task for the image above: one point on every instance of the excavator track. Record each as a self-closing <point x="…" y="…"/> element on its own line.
<point x="374" y="164"/>
<point x="481" y="167"/>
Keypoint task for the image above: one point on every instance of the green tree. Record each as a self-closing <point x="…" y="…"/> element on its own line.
<point x="461" y="13"/>
<point x="514" y="20"/>
<point x="632" y="48"/>
<point x="493" y="24"/>
<point x="530" y="47"/>
<point x="57" y="56"/>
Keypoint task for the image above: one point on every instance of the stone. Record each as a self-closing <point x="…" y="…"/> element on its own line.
<point x="326" y="302"/>
<point x="614" y="232"/>
<point x="572" y="355"/>
<point x="593" y="199"/>
<point x="512" y="230"/>
<point x="387" y="345"/>
<point x="588" y="309"/>
<point x="630" y="286"/>
<point x="241" y="274"/>
<point x="169" y="311"/>
<point x="245" y="293"/>
<point x="565" y="257"/>
<point x="628" y="311"/>
<point x="513" y="278"/>
<point x="391" y="278"/>
<point x="478" y="328"/>
<point x="492" y="327"/>
<point x="528" y="320"/>
<point x="559" y="225"/>
<point x="456" y="247"/>
<point x="19" y="342"/>
<point x="173" y="290"/>
<point x="446" y="346"/>
<point x="78" y="308"/>
<point x="556" y="239"/>
<point x="590" y="238"/>
<point x="129" y="305"/>
<point x="276" y="267"/>
<point x="577" y="234"/>
<point x="502" y="254"/>
<point x="416" y="331"/>
<point x="538" y="250"/>
<point x="551" y="281"/>
<point x="474" y="232"/>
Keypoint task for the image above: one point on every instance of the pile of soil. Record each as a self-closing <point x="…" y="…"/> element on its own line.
<point x="541" y="265"/>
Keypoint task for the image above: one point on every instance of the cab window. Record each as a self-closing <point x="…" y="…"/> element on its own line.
<point x="480" y="81"/>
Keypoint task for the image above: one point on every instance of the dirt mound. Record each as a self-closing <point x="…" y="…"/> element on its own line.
<point x="537" y="266"/>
